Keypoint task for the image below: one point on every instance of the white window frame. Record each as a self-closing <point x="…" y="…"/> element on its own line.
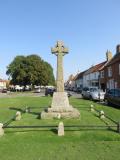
<point x="102" y="74"/>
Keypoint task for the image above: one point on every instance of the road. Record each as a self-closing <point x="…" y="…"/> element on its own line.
<point x="31" y="94"/>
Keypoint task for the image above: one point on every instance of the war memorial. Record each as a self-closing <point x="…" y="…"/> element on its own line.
<point x="60" y="107"/>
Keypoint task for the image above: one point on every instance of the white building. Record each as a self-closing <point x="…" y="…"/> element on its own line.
<point x="79" y="80"/>
<point x="3" y="84"/>
<point x="92" y="76"/>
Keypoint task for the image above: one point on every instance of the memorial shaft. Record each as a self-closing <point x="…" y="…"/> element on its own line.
<point x="60" y="79"/>
<point x="60" y="51"/>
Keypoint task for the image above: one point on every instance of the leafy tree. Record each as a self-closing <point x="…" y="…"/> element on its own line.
<point x="30" y="70"/>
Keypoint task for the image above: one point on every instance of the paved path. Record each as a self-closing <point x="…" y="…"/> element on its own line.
<point x="76" y="95"/>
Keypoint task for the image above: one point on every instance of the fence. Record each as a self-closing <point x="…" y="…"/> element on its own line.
<point x="115" y="127"/>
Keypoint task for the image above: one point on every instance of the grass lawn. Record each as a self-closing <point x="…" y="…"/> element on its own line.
<point x="39" y="144"/>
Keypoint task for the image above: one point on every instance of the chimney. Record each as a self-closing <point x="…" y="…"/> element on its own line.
<point x="108" y="55"/>
<point x="118" y="49"/>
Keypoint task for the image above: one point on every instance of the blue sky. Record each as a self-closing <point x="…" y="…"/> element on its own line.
<point x="87" y="27"/>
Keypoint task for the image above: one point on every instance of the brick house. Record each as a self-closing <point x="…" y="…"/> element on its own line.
<point x="103" y="71"/>
<point x="110" y="73"/>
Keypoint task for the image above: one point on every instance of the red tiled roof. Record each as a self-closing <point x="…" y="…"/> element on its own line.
<point x="95" y="68"/>
<point x="71" y="77"/>
<point x="75" y="77"/>
<point x="1" y="80"/>
<point x="98" y="66"/>
<point x="80" y="75"/>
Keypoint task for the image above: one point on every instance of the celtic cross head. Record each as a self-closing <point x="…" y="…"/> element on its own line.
<point x="59" y="49"/>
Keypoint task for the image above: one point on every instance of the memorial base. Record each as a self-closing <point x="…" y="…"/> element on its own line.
<point x="60" y="108"/>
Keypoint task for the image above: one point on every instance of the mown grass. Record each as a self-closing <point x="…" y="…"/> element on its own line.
<point x="42" y="144"/>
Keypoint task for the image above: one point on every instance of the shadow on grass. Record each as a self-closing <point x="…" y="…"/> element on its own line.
<point x="103" y="120"/>
<point x="83" y="108"/>
<point x="34" y="113"/>
<point x="55" y="130"/>
<point x="16" y="109"/>
<point x="92" y="129"/>
<point x="32" y="130"/>
<point x="109" y="105"/>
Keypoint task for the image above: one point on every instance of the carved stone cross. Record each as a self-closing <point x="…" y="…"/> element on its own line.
<point x="60" y="107"/>
<point x="60" y="51"/>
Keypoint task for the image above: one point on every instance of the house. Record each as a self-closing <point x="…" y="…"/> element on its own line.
<point x="91" y="76"/>
<point x="110" y="74"/>
<point x="3" y="83"/>
<point x="74" y="84"/>
<point x="71" y="82"/>
<point x="68" y="83"/>
<point x="79" y="80"/>
<point x="103" y="71"/>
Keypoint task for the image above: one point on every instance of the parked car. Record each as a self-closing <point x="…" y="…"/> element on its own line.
<point x="93" y="93"/>
<point x="69" y="94"/>
<point x="74" y="89"/>
<point x="37" y="90"/>
<point x="27" y="88"/>
<point x="18" y="88"/>
<point x="86" y="92"/>
<point x="112" y="97"/>
<point x="97" y="94"/>
<point x="79" y="90"/>
<point x="49" y="91"/>
<point x="4" y="90"/>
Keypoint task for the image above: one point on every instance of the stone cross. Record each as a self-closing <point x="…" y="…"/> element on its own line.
<point x="60" y="51"/>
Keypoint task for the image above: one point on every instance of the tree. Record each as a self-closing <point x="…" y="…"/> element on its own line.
<point x="30" y="70"/>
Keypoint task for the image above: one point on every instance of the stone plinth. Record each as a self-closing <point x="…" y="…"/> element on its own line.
<point x="60" y="108"/>
<point x="60" y="102"/>
<point x="58" y="115"/>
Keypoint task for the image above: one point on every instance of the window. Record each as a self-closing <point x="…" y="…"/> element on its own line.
<point x="102" y="74"/>
<point x="95" y="75"/>
<point x="109" y="71"/>
<point x="111" y="84"/>
<point x="119" y="69"/>
<point x="114" y="92"/>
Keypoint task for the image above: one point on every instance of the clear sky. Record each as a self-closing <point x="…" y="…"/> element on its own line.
<point x="87" y="27"/>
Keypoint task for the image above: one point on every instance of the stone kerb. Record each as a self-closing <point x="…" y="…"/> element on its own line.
<point x="1" y="129"/>
<point x="92" y="108"/>
<point x="61" y="129"/>
<point x="18" y="116"/>
<point x="102" y="115"/>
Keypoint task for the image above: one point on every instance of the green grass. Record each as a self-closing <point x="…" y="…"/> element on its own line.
<point x="39" y="144"/>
